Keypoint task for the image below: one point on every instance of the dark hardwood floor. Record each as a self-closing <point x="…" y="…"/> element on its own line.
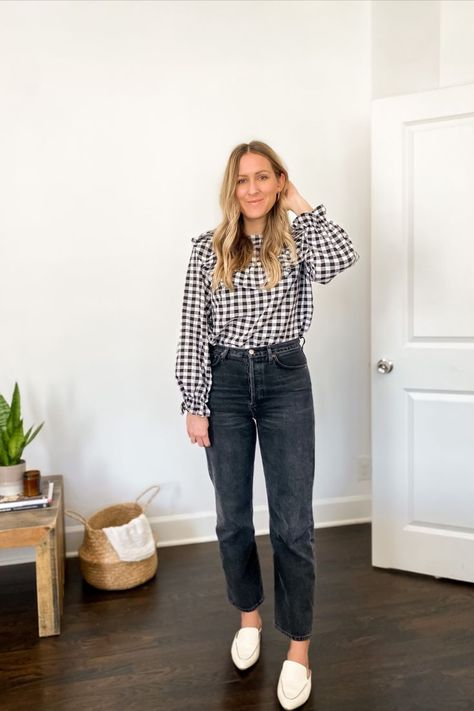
<point x="383" y="640"/>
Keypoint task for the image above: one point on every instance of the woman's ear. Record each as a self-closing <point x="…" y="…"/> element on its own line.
<point x="281" y="182"/>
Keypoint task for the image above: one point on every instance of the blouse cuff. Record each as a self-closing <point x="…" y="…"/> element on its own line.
<point x="307" y="218"/>
<point x="195" y="408"/>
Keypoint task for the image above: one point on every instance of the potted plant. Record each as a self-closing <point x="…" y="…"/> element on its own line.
<point x="12" y="443"/>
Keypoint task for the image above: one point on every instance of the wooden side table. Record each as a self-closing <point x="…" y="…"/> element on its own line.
<point x="44" y="529"/>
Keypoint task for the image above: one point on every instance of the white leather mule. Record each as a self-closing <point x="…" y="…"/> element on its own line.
<point x="294" y="684"/>
<point x="245" y="648"/>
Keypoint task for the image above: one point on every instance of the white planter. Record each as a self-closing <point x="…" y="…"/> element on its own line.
<point x="11" y="479"/>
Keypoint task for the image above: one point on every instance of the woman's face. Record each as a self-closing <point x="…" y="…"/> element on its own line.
<point x="257" y="186"/>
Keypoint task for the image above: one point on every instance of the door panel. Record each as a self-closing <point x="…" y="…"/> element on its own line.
<point x="423" y="327"/>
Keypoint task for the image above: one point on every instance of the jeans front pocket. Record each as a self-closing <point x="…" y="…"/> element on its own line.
<point x="216" y="359"/>
<point x="295" y="358"/>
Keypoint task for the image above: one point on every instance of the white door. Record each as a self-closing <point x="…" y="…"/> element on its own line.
<point x="422" y="312"/>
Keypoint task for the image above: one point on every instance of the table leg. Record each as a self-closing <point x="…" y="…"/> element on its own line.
<point x="61" y="552"/>
<point x="48" y="585"/>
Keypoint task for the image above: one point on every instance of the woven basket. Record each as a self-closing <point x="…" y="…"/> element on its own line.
<point x="99" y="563"/>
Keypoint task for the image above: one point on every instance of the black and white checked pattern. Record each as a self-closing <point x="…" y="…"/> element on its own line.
<point x="247" y="317"/>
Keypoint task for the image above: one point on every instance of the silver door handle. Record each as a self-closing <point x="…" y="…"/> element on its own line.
<point x="384" y="366"/>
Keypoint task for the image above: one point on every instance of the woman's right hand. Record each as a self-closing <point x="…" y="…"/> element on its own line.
<point x="197" y="427"/>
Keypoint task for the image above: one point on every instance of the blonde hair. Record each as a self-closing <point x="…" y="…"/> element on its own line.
<point x="234" y="249"/>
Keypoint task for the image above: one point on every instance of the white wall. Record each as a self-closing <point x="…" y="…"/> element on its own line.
<point x="405" y="46"/>
<point x="456" y="63"/>
<point x="116" y="121"/>
<point x="421" y="45"/>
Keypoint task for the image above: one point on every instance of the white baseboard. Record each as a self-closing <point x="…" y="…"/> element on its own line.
<point x="183" y="529"/>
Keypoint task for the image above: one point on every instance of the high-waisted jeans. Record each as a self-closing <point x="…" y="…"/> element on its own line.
<point x="266" y="389"/>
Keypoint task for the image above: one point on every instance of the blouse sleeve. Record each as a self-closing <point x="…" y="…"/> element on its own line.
<point x="324" y="247"/>
<point x="193" y="368"/>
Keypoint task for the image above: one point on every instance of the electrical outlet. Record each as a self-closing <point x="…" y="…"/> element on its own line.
<point x="364" y="469"/>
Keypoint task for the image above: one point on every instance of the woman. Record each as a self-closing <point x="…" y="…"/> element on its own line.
<point x="241" y="368"/>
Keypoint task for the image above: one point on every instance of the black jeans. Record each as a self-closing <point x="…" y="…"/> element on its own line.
<point x="266" y="389"/>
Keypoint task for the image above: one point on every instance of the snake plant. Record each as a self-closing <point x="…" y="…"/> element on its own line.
<point x="12" y="439"/>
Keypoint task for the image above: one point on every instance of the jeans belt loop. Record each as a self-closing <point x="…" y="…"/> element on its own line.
<point x="270" y="354"/>
<point x="304" y="341"/>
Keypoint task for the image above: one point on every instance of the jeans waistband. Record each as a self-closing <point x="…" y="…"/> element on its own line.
<point x="258" y="352"/>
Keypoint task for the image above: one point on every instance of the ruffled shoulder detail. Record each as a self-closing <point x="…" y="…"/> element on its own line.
<point x="252" y="277"/>
<point x="203" y="246"/>
<point x="285" y="260"/>
<point x="203" y="237"/>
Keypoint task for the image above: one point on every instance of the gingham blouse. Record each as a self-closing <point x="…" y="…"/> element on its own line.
<point x="247" y="317"/>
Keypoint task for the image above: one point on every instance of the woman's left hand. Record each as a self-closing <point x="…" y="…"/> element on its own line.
<point x="293" y="201"/>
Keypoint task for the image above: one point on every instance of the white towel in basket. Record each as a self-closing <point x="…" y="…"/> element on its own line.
<point x="132" y="541"/>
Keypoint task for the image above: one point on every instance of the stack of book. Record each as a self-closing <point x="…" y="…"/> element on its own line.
<point x="19" y="502"/>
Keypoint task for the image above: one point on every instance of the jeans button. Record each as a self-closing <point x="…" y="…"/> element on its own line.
<point x="251" y="350"/>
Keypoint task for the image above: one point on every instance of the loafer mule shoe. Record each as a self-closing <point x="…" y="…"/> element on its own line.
<point x="294" y="684"/>
<point x="245" y="648"/>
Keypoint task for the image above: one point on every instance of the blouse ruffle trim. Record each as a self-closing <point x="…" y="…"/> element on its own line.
<point x="253" y="276"/>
